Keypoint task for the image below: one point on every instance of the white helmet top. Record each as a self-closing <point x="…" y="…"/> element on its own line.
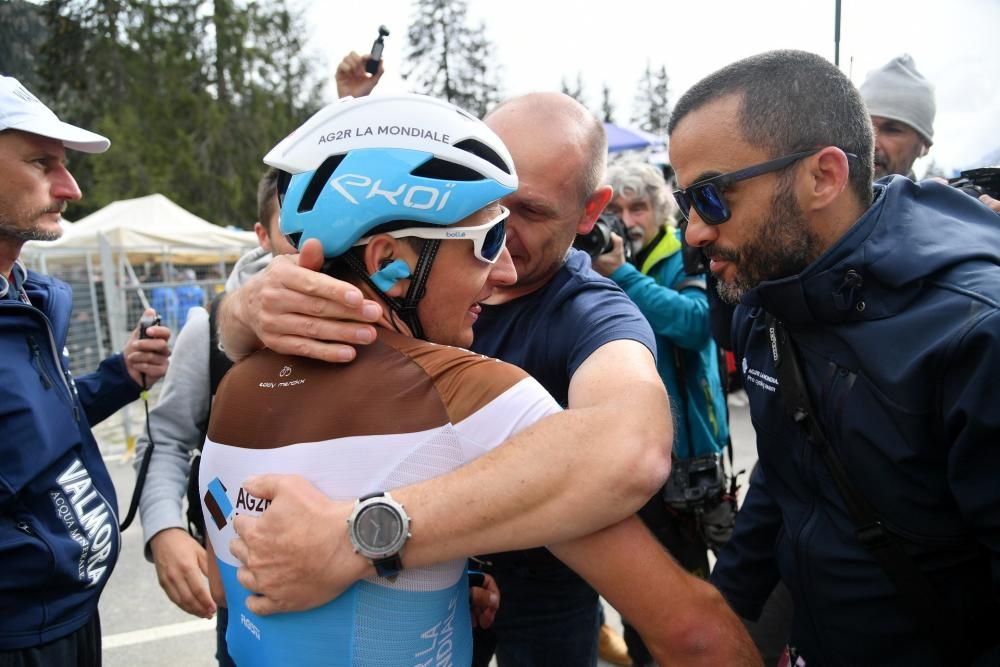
<point x="361" y="163"/>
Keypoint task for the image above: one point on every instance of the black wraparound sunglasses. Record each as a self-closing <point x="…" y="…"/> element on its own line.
<point x="706" y="196"/>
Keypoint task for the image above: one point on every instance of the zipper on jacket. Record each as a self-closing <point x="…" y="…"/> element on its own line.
<point x="800" y="540"/>
<point x="814" y="463"/>
<point x="70" y="390"/>
<point x="808" y="472"/>
<point x="57" y="359"/>
<point x="24" y="527"/>
<point x="36" y="361"/>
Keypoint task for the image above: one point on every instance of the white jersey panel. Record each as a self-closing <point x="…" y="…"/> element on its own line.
<point x="514" y="410"/>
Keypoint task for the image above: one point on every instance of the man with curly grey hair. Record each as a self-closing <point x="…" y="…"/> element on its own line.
<point x="676" y="305"/>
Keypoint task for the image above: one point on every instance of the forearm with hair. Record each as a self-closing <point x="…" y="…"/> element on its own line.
<point x="568" y="475"/>
<point x="682" y="619"/>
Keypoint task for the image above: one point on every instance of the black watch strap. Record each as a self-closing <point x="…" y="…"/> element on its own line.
<point x="388" y="567"/>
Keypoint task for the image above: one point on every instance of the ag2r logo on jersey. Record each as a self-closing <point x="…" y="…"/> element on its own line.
<point x="218" y="503"/>
<point x="221" y="509"/>
<point x="419" y="197"/>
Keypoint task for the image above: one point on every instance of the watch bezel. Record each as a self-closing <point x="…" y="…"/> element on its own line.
<point x="398" y="541"/>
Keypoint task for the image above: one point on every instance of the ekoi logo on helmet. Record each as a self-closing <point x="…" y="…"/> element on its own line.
<point x="419" y="197"/>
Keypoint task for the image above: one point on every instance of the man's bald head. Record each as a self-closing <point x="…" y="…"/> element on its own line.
<point x="563" y="126"/>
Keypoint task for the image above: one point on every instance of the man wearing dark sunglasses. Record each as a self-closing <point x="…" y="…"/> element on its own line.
<point x="886" y="298"/>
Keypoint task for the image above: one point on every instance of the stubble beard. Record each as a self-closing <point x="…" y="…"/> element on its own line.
<point x="25" y="226"/>
<point x="783" y="245"/>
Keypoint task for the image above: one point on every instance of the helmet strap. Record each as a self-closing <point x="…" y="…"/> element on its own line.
<point x="407" y="308"/>
<point x="418" y="284"/>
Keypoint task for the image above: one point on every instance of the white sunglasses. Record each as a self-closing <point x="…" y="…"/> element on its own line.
<point x="488" y="239"/>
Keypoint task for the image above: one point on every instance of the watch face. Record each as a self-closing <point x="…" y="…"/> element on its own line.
<point x="378" y="528"/>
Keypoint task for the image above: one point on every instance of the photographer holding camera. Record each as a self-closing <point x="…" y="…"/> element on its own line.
<point x="695" y="510"/>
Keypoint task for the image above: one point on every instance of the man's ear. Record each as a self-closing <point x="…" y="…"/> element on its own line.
<point x="828" y="175"/>
<point x="388" y="262"/>
<point x="379" y="250"/>
<point x="263" y="240"/>
<point x="593" y="208"/>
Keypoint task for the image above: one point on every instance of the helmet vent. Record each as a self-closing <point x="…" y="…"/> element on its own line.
<point x="443" y="170"/>
<point x="483" y="151"/>
<point x="283" y="178"/>
<point x="294" y="239"/>
<point x="318" y="182"/>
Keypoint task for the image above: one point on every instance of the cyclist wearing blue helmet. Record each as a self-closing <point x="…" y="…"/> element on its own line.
<point x="407" y="410"/>
<point x="410" y="214"/>
<point x="377" y="171"/>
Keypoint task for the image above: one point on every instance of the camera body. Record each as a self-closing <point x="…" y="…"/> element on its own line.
<point x="695" y="262"/>
<point x="697" y="482"/>
<point x="145" y="322"/>
<point x="698" y="486"/>
<point x="976" y="182"/>
<point x="598" y="241"/>
<point x="371" y="66"/>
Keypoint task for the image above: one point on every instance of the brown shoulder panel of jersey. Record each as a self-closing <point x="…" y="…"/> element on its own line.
<point x="465" y="380"/>
<point x="271" y="400"/>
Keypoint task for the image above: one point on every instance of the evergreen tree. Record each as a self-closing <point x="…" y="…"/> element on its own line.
<point x="192" y="94"/>
<point x="576" y="91"/>
<point x="447" y="59"/>
<point x="21" y="23"/>
<point x="607" y="108"/>
<point x="481" y="77"/>
<point x="651" y="109"/>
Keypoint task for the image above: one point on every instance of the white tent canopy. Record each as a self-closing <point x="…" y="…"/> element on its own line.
<point x="148" y="227"/>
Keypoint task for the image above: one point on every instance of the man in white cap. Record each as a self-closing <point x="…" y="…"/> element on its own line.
<point x="901" y="103"/>
<point x="59" y="536"/>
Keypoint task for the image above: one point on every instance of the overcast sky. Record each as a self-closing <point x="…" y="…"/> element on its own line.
<point x="538" y="43"/>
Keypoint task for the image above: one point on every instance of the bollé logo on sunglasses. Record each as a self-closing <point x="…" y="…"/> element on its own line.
<point x="420" y="197"/>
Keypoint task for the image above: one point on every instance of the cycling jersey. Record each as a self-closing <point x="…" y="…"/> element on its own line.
<point x="404" y="411"/>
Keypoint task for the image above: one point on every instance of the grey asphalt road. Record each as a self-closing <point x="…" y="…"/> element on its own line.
<point x="142" y="628"/>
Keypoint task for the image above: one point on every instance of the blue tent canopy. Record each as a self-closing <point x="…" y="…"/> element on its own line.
<point x="627" y="138"/>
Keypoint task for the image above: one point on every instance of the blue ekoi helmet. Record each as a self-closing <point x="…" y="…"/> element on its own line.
<point x="378" y="164"/>
<point x="360" y="164"/>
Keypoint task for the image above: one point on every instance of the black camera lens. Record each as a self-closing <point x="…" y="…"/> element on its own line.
<point x="595" y="243"/>
<point x="598" y="241"/>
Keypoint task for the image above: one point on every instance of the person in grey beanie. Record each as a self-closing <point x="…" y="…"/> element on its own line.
<point x="901" y="103"/>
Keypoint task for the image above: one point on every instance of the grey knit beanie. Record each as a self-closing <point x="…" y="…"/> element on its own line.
<point x="898" y="91"/>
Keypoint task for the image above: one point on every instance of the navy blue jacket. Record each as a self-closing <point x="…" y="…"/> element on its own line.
<point x="898" y="332"/>
<point x="59" y="535"/>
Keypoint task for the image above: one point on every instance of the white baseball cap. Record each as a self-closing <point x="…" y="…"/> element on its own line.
<point x="20" y="110"/>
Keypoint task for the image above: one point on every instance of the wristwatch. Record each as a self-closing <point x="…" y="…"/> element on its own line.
<point x="378" y="528"/>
